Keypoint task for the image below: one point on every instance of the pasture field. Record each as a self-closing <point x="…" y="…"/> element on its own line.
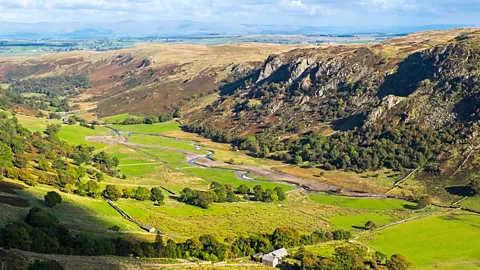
<point x="36" y="124"/>
<point x="119" y="118"/>
<point x="166" y="142"/>
<point x="357" y="220"/>
<point x="149" y="129"/>
<point x="431" y="240"/>
<point x="227" y="219"/>
<point x="362" y="203"/>
<point x="76" y="135"/>
<point x="174" y="159"/>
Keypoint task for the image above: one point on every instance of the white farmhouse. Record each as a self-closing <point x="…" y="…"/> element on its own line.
<point x="274" y="258"/>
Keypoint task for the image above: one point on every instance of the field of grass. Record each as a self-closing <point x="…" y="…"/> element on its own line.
<point x="357" y="220"/>
<point x="472" y="203"/>
<point x="77" y="135"/>
<point x="226" y="219"/>
<point x="362" y="203"/>
<point x="36" y="124"/>
<point x="119" y="118"/>
<point x="166" y="142"/>
<point x="431" y="240"/>
<point x="149" y="129"/>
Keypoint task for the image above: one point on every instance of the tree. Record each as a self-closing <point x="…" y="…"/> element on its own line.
<point x="156" y="195"/>
<point x="141" y="194"/>
<point x="52" y="198"/>
<point x="112" y="192"/>
<point x="285" y="237"/>
<point x="43" y="163"/>
<point x="94" y="189"/>
<point x="100" y="176"/>
<point x="349" y="258"/>
<point x="370" y="225"/>
<point x="474" y="186"/>
<point x="424" y="201"/>
<point x="203" y="199"/>
<point x="242" y="189"/>
<point x="280" y="193"/>
<point x="6" y="156"/>
<point x="397" y="262"/>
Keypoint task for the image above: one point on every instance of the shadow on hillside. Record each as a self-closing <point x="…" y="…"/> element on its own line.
<point x="414" y="69"/>
<point x="349" y="123"/>
<point x="459" y="190"/>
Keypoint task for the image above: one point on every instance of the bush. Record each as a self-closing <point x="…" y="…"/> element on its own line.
<point x="52" y="198"/>
<point x="370" y="225"/>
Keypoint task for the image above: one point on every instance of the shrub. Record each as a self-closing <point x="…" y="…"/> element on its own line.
<point x="52" y="198"/>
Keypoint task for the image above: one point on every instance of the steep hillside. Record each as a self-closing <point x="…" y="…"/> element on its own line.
<point x="407" y="103"/>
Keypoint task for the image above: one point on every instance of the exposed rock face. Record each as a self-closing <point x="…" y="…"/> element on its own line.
<point x="385" y="105"/>
<point x="433" y="87"/>
<point x="271" y="65"/>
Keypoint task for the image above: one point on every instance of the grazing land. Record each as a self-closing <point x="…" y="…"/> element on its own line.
<point x="450" y="235"/>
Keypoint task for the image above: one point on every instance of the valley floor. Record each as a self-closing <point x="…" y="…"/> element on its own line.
<point x="161" y="155"/>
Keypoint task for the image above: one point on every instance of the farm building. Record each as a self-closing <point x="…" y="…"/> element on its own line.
<point x="148" y="228"/>
<point x="274" y="258"/>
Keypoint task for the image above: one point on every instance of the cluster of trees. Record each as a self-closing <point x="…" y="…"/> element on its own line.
<point x="139" y="193"/>
<point x="10" y="98"/>
<point x="52" y="86"/>
<point x="348" y="257"/>
<point x="389" y="145"/>
<point x="282" y="238"/>
<point x="227" y="193"/>
<point x="150" y="119"/>
<point x="57" y="162"/>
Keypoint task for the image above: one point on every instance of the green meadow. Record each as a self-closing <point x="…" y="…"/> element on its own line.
<point x="226" y="219"/>
<point x="362" y="203"/>
<point x="434" y="239"/>
<point x="36" y="124"/>
<point x="149" y="129"/>
<point x="77" y="135"/>
<point x="351" y="220"/>
<point x="120" y="118"/>
<point x="166" y="142"/>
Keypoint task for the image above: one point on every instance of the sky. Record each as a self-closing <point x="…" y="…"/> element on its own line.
<point x="269" y="12"/>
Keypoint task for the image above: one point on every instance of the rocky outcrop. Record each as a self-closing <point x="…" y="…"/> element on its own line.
<point x="271" y="65"/>
<point x="385" y="105"/>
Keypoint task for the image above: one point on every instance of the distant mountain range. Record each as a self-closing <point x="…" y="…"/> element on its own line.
<point x="137" y="29"/>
